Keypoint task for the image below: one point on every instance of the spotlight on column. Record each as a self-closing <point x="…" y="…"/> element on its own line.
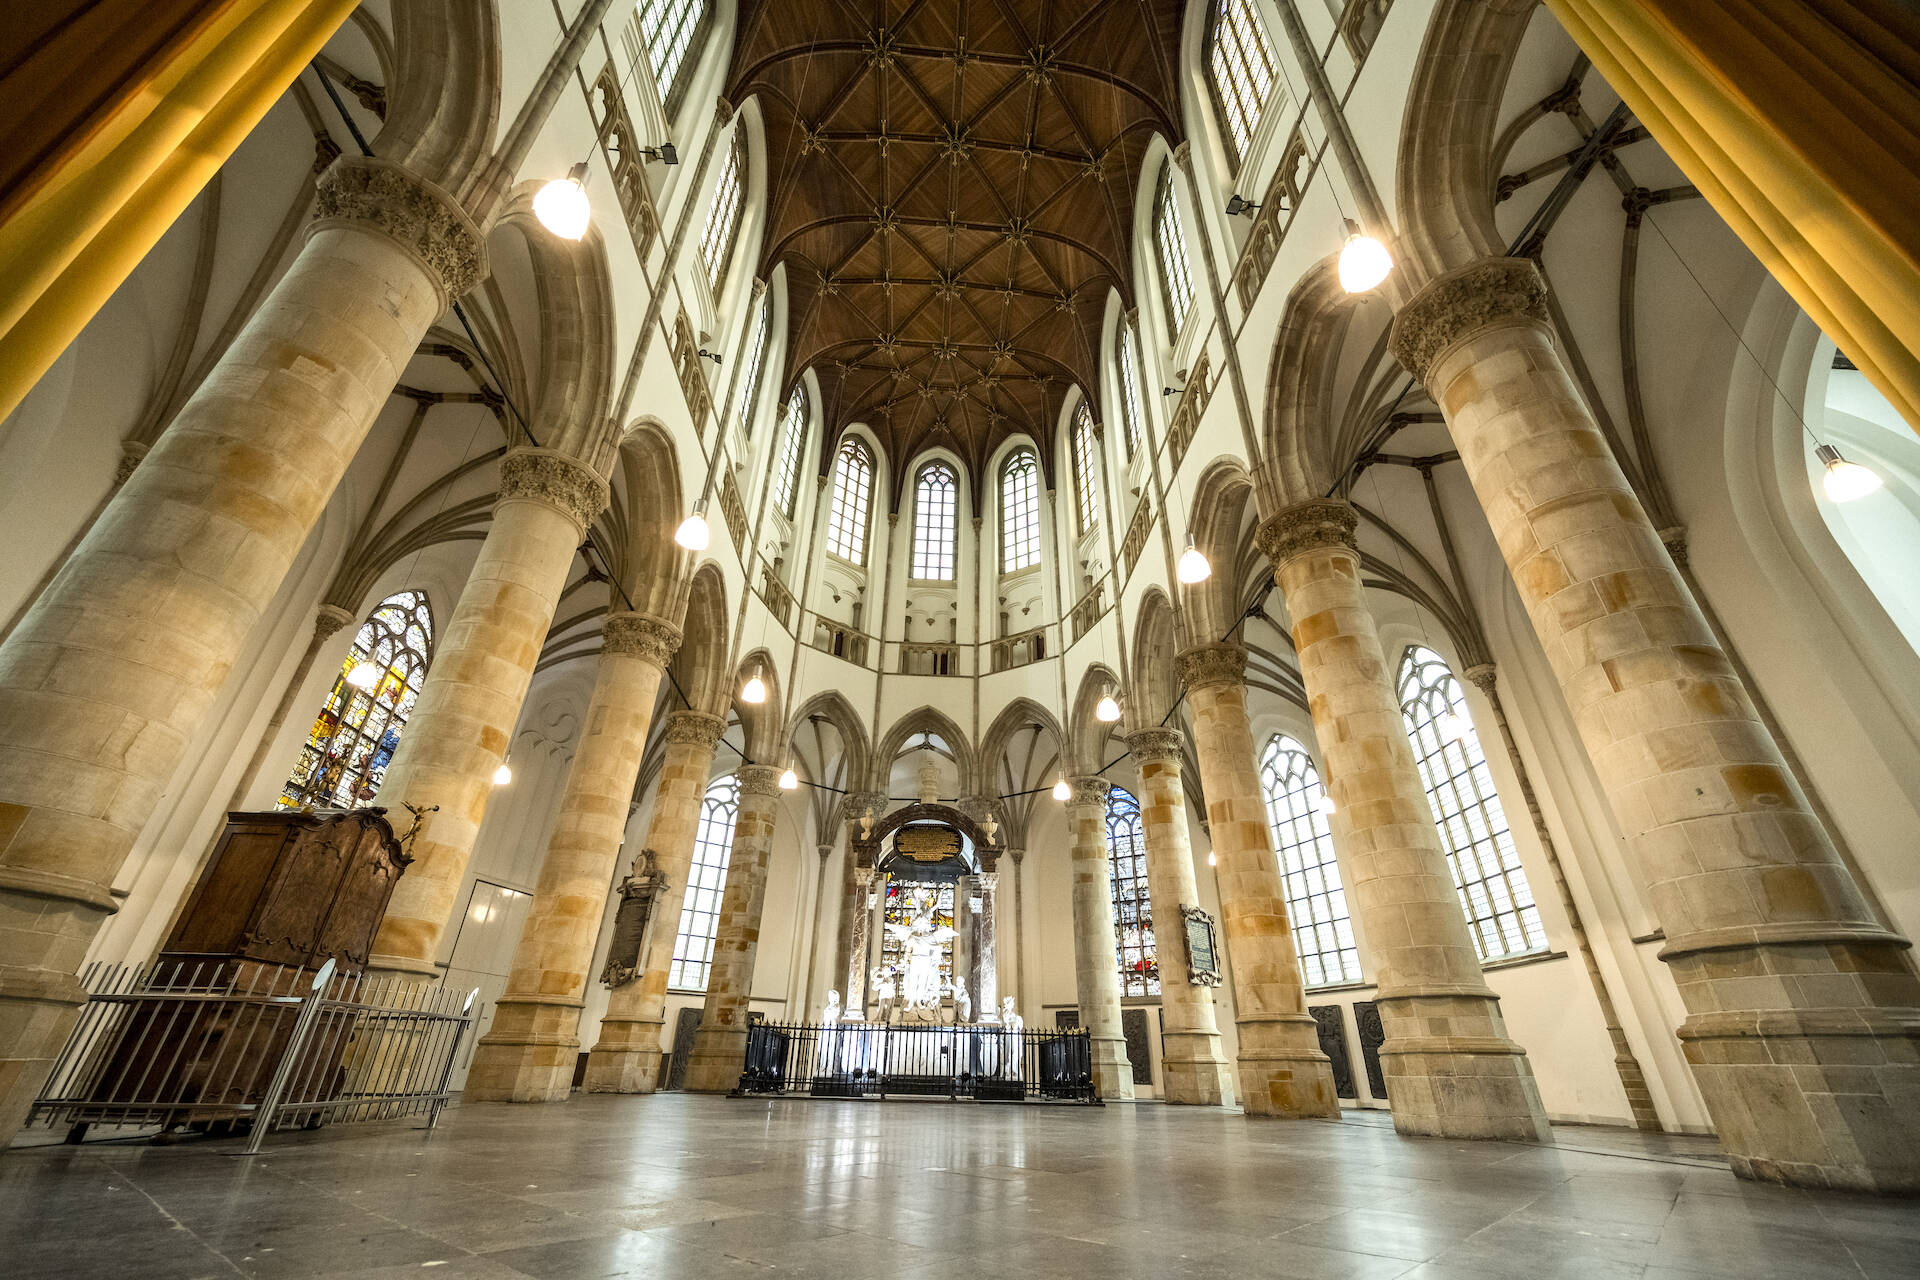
<point x="1324" y="804"/>
<point x="789" y="780"/>
<point x="562" y="204"/>
<point x="693" y="533"/>
<point x="364" y="675"/>
<point x="1845" y="481"/>
<point x="1364" y="261"/>
<point x="503" y="775"/>
<point x="1106" y="711"/>
<point x="1061" y="791"/>
<point x="1193" y="567"/>
<point x="755" y="689"/>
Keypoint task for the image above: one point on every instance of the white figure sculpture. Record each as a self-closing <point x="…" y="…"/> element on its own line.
<point x="962" y="1002"/>
<point x="830" y="1033"/>
<point x="1009" y="1018"/>
<point x="882" y="994"/>
<point x="921" y="941"/>
<point x="1012" y="1027"/>
<point x="832" y="1013"/>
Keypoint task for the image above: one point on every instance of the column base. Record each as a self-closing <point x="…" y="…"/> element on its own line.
<point x="627" y="1059"/>
<point x="47" y="921"/>
<point x="1282" y="1071"/>
<point x="1194" y="1073"/>
<point x="1112" y="1072"/>
<point x="528" y="1056"/>
<point x="719" y="1056"/>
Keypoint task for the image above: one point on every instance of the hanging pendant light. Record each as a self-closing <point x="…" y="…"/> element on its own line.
<point x="1454" y="727"/>
<point x="1364" y="261"/>
<point x="1106" y="711"/>
<point x="562" y="205"/>
<point x="789" y="781"/>
<point x="1194" y="566"/>
<point x="1061" y="791"/>
<point x="1213" y="859"/>
<point x="755" y="689"/>
<point x="1324" y="804"/>
<point x="503" y="775"/>
<point x="363" y="676"/>
<point x="1845" y="481"/>
<point x="693" y="533"/>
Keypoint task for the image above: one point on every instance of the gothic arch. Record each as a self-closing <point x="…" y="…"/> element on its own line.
<point x="1155" y="642"/>
<point x="650" y="565"/>
<point x="1300" y="400"/>
<point x="833" y="707"/>
<point x="444" y="98"/>
<point x="924" y="720"/>
<point x="761" y="723"/>
<point x="1089" y="739"/>
<point x="700" y="666"/>
<point x="1219" y="513"/>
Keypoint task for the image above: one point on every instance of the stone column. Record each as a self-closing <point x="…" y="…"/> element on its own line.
<point x="111" y="671"/>
<point x="850" y="953"/>
<point x="530" y="1052"/>
<point x="1194" y="1070"/>
<point x="627" y="1057"/>
<point x="719" y="1049"/>
<point x="1096" y="969"/>
<point x="1282" y="1071"/>
<point x="1451" y="1069"/>
<point x="1803" y="1024"/>
<point x="461" y="727"/>
<point x="984" y="980"/>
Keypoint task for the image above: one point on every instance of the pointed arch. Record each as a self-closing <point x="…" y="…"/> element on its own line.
<point x="651" y="566"/>
<point x="1216" y="521"/>
<point x="833" y="707"/>
<point x="1091" y="740"/>
<point x="443" y="101"/>
<point x="761" y="723"/>
<point x="700" y="665"/>
<point x="924" y="719"/>
<point x="1300" y="421"/>
<point x="1155" y="641"/>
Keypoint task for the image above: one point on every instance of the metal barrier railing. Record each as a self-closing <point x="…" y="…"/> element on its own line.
<point x="983" y="1062"/>
<point x="220" y="1044"/>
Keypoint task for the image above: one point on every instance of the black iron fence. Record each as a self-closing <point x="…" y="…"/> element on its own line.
<point x="984" y="1063"/>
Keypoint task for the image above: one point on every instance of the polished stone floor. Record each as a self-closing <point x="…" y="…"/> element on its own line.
<point x="687" y="1187"/>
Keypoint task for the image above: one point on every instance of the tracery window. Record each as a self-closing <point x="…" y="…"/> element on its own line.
<point x="1130" y="403"/>
<point x="1499" y="904"/>
<point x="1085" y="494"/>
<point x="1020" y="512"/>
<point x="793" y="435"/>
<point x="354" y="736"/>
<point x="750" y="375"/>
<point x="1240" y="58"/>
<point x="723" y="215"/>
<point x="669" y="28"/>
<point x="933" y="523"/>
<point x="852" y="491"/>
<point x="1316" y="902"/>
<point x="1132" y="906"/>
<point x="1170" y="240"/>
<point x="706" y="882"/>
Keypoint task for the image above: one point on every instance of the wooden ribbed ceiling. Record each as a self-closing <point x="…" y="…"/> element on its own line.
<point x="951" y="186"/>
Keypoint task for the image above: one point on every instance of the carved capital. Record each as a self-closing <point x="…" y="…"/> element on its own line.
<point x="414" y="213"/>
<point x="1674" y="539"/>
<point x="1090" y="791"/>
<point x="988" y="881"/>
<point x="1482" y="675"/>
<point x="695" y="728"/>
<point x="857" y="804"/>
<point x="643" y="636"/>
<point x="1460" y="304"/>
<point x="1310" y="526"/>
<point x="1210" y="664"/>
<point x="1155" y="746"/>
<point x="131" y="452"/>
<point x="329" y="618"/>
<point x="759" y="780"/>
<point x="557" y="479"/>
<point x="1183" y="156"/>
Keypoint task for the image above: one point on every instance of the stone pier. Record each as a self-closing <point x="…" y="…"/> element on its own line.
<point x="1096" y="972"/>
<point x="720" y="1047"/>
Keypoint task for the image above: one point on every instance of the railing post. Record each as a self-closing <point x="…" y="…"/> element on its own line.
<point x="309" y="1008"/>
<point x="453" y="1054"/>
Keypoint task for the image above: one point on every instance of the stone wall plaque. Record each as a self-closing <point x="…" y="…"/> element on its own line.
<point x="1366" y="1016"/>
<point x="927" y="843"/>
<point x="1333" y="1043"/>
<point x="1133" y="1026"/>
<point x="1203" y="956"/>
<point x="637" y="893"/>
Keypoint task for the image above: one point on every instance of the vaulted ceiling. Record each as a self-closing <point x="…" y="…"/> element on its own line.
<point x="951" y="189"/>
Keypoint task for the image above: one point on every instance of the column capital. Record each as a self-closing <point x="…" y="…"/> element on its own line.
<point x="558" y="479"/>
<point x="1461" y="303"/>
<point x="642" y="635"/>
<point x="1090" y="790"/>
<point x="857" y="804"/>
<point x="759" y="780"/>
<point x="1209" y="664"/>
<point x="417" y="215"/>
<point x="329" y="618"/>
<point x="695" y="727"/>
<point x="1183" y="156"/>
<point x="1318" y="525"/>
<point x="1481" y="675"/>
<point x="1151" y="746"/>
<point x="990" y="880"/>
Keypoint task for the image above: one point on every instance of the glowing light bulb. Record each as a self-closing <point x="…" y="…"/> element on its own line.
<point x="789" y="781"/>
<point x="1364" y="261"/>
<point x="1324" y="804"/>
<point x="754" y="690"/>
<point x="1106" y="711"/>
<point x="562" y="205"/>
<point x="1845" y="481"/>
<point x="1062" y="792"/>
<point x="1193" y="566"/>
<point x="1454" y="727"/>
<point x="1212" y="860"/>
<point x="503" y="775"/>
<point x="364" y="676"/>
<point x="693" y="533"/>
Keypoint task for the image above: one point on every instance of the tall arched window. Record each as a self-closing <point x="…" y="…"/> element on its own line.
<point x="933" y="523"/>
<point x="1316" y="902"/>
<point x="1130" y="403"/>
<point x="1132" y="906"/>
<point x="852" y="491"/>
<point x="1241" y="60"/>
<point x="353" y="739"/>
<point x="706" y="881"/>
<point x="793" y="436"/>
<point x="750" y="374"/>
<point x="723" y="215"/>
<point x="1170" y="242"/>
<point x="670" y="28"/>
<point x="1019" y="512"/>
<point x="1085" y="491"/>
<point x="1486" y="867"/>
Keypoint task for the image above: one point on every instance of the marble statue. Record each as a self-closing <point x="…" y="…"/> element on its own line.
<point x="882" y="993"/>
<point x="962" y="1002"/>
<point x="832" y="1013"/>
<point x="921" y="941"/>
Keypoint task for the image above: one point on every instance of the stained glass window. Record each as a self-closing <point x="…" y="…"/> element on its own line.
<point x="1170" y="240"/>
<point x="669" y="28"/>
<point x="353" y="738"/>
<point x="1085" y="492"/>
<point x="1316" y="902"/>
<point x="723" y="215"/>
<point x="750" y="375"/>
<point x="1130" y="404"/>
<point x="852" y="490"/>
<point x="706" y="882"/>
<point x="1020" y="512"/>
<point x="905" y="901"/>
<point x="1241" y="60"/>
<point x="1132" y="905"/>
<point x="1494" y="892"/>
<point x="933" y="523"/>
<point x="786" y="482"/>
